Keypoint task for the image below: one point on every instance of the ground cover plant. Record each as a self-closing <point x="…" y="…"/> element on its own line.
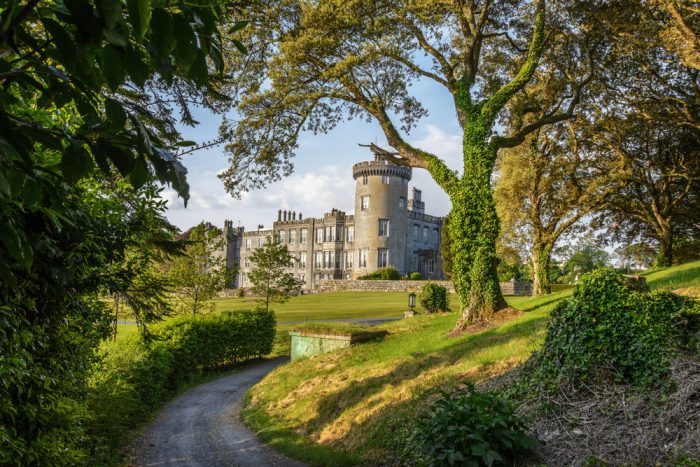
<point x="360" y="405"/>
<point x="383" y="274"/>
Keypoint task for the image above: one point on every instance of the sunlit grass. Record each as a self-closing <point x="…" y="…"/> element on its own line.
<point x="345" y="407"/>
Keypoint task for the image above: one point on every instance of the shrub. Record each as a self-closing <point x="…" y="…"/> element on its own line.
<point x="135" y="376"/>
<point x="415" y="276"/>
<point x="433" y="298"/>
<point x="383" y="274"/>
<point x="608" y="328"/>
<point x="473" y="428"/>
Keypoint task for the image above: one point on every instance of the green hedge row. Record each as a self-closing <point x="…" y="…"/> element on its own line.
<point x="135" y="377"/>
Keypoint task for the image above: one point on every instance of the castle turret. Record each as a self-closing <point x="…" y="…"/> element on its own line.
<point x="380" y="215"/>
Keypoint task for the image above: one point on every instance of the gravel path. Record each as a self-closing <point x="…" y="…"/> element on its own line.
<point x="202" y="427"/>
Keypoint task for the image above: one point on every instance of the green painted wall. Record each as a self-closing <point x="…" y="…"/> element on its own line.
<point x="307" y="345"/>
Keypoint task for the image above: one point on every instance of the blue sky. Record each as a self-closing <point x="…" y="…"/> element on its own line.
<point x="322" y="178"/>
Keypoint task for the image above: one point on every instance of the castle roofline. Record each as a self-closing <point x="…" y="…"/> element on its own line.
<point x="380" y="167"/>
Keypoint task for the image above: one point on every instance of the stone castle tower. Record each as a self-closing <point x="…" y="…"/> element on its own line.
<point x="386" y="230"/>
<point x="381" y="191"/>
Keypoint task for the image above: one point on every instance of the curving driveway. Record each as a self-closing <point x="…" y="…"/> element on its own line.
<point x="202" y="427"/>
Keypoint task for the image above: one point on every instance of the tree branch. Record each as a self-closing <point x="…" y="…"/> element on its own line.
<point x="500" y="98"/>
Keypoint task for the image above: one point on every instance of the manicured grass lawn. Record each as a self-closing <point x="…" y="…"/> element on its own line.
<point x="346" y="407"/>
<point x="328" y="305"/>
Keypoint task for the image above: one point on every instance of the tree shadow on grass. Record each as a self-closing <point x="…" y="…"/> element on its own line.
<point x="331" y="406"/>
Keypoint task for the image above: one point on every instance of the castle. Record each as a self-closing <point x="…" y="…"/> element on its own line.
<point x="387" y="230"/>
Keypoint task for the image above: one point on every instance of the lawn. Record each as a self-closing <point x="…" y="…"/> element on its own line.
<point x="349" y="406"/>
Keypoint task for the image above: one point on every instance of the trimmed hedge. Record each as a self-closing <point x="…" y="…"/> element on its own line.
<point x="135" y="377"/>
<point x="433" y="298"/>
<point x="381" y="274"/>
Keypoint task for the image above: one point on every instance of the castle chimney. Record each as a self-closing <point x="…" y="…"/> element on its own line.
<point x="294" y="215"/>
<point x="279" y="215"/>
<point x="284" y="215"/>
<point x="300" y="218"/>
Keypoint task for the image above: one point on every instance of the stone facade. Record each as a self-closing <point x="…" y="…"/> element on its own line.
<point x="386" y="230"/>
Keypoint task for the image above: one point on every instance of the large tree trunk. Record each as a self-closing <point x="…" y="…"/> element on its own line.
<point x="540" y="258"/>
<point x="473" y="229"/>
<point x="665" y="257"/>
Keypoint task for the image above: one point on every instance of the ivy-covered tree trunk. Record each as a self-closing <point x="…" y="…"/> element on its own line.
<point x="540" y="258"/>
<point x="474" y="228"/>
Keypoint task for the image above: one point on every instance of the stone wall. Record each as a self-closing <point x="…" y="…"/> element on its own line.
<point x="508" y="288"/>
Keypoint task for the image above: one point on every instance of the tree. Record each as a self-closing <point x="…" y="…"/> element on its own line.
<point x="269" y="277"/>
<point x="680" y="26"/>
<point x="73" y="114"/>
<point x="317" y="63"/>
<point x="584" y="257"/>
<point x="635" y="256"/>
<point x="201" y="272"/>
<point x="659" y="196"/>
<point x="545" y="186"/>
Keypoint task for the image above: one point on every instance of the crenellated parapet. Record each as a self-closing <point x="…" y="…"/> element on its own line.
<point x="380" y="167"/>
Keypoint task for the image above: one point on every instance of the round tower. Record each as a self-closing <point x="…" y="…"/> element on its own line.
<point x="381" y="191"/>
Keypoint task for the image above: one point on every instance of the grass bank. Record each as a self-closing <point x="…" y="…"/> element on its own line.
<point x="350" y="406"/>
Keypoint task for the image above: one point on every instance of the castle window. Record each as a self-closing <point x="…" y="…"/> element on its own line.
<point x="416" y="232"/>
<point x="247" y="262"/>
<point x="327" y="259"/>
<point x="363" y="258"/>
<point x="430" y="265"/>
<point x="302" y="259"/>
<point x="261" y="242"/>
<point x="350" y="234"/>
<point x="364" y="179"/>
<point x="280" y="237"/>
<point x="337" y="259"/>
<point x="302" y="277"/>
<point x="248" y="243"/>
<point x="386" y="179"/>
<point x="339" y="234"/>
<point x="383" y="227"/>
<point x="402" y="204"/>
<point x="319" y="235"/>
<point x="382" y="257"/>
<point x="425" y="234"/>
<point x="348" y="259"/>
<point x="292" y="236"/>
<point x="302" y="235"/>
<point x="364" y="203"/>
<point x="436" y="234"/>
<point x="318" y="259"/>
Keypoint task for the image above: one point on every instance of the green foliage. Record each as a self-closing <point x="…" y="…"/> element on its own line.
<point x="608" y="329"/>
<point x="433" y="298"/>
<point x="135" y="376"/>
<point x="416" y="276"/>
<point x="78" y="118"/>
<point x="473" y="428"/>
<point x="382" y="274"/>
<point x="269" y="277"/>
<point x="201" y="271"/>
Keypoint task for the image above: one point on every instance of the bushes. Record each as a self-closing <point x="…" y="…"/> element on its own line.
<point x="473" y="428"/>
<point x="415" y="276"/>
<point x="434" y="298"/>
<point x="383" y="274"/>
<point x="135" y="377"/>
<point x="606" y="328"/>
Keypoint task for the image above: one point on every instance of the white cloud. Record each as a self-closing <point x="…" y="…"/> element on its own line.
<point x="444" y="145"/>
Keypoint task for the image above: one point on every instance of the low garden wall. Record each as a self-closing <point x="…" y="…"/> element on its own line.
<point x="339" y="285"/>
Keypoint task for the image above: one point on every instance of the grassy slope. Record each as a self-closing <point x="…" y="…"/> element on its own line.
<point x="344" y="407"/>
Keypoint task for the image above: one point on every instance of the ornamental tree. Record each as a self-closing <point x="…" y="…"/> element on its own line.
<point x="270" y="279"/>
<point x="201" y="271"/>
<point x="312" y="64"/>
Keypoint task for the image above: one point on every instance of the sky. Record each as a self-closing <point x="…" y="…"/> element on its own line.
<point x="322" y="178"/>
